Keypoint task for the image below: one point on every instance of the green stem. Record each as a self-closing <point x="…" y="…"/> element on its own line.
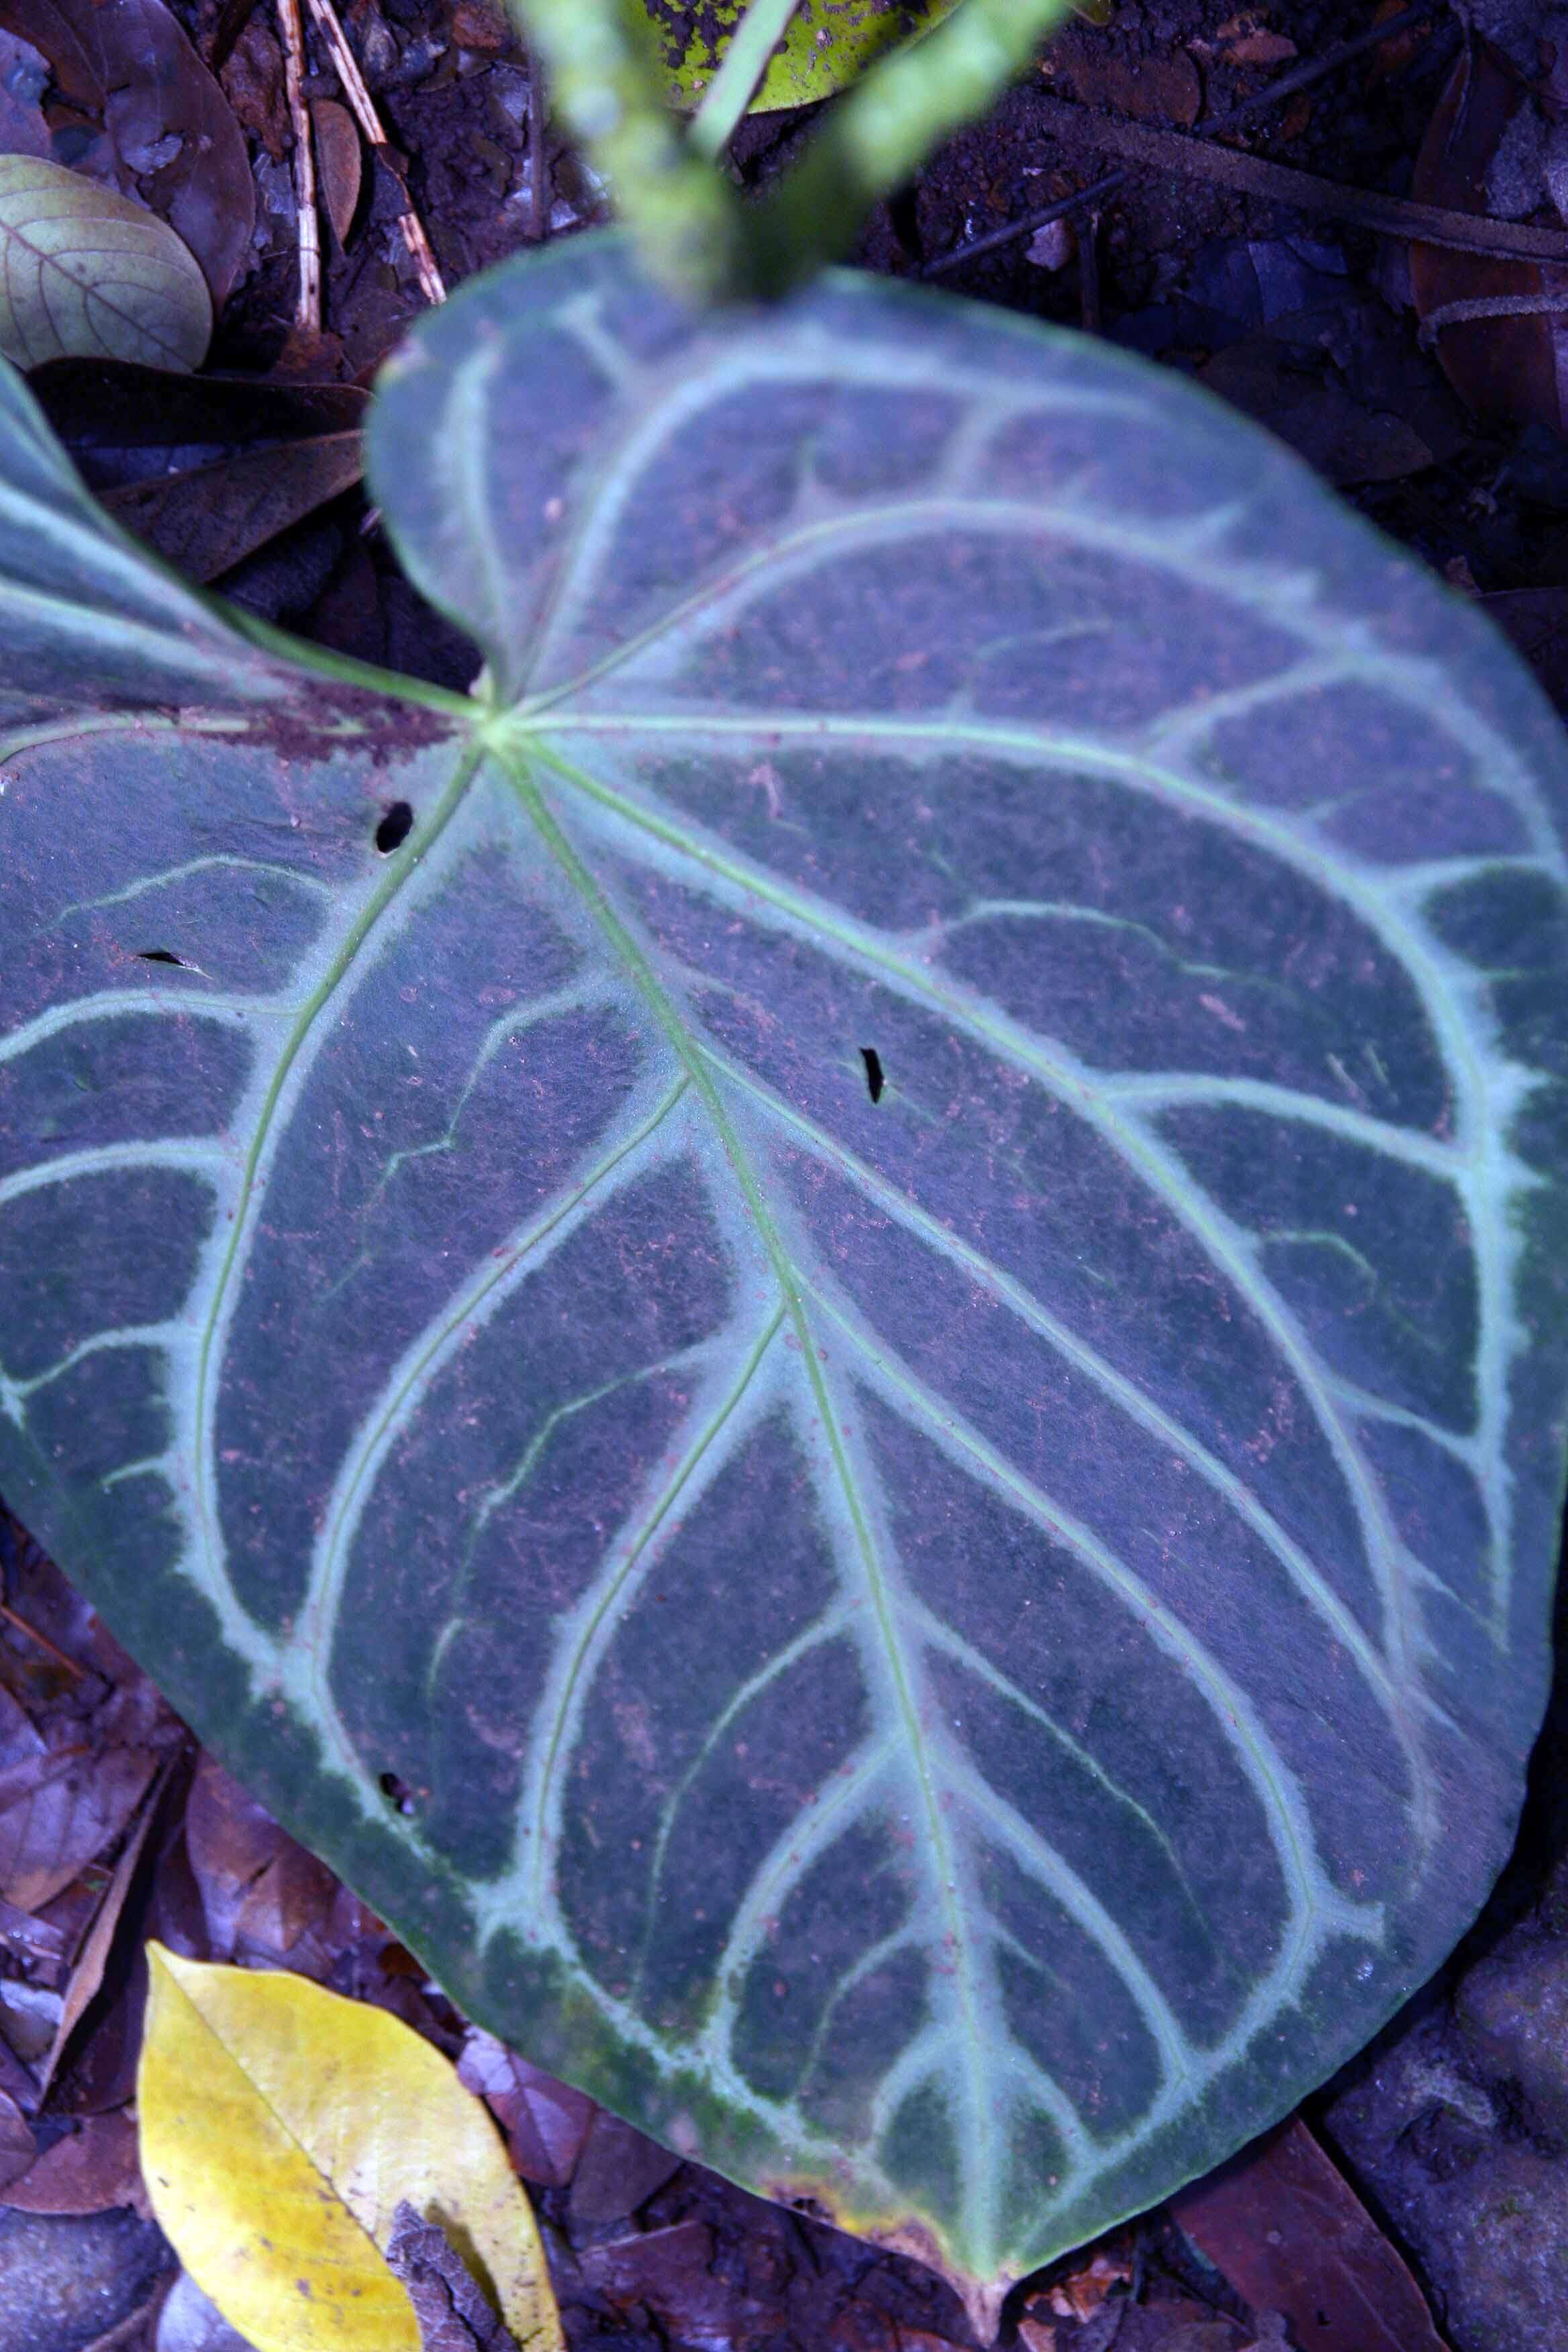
<point x="740" y="76"/>
<point x="604" y="70"/>
<point x="882" y="130"/>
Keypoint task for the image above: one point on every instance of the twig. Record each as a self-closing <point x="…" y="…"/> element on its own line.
<point x="1285" y="86"/>
<point x="1280" y="183"/>
<point x="42" y="1640"/>
<point x="308" y="307"/>
<point x="1089" y="276"/>
<point x="539" y="208"/>
<point x="362" y="106"/>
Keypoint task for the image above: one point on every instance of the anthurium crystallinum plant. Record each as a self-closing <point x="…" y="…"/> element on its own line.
<point x="864" y="1272"/>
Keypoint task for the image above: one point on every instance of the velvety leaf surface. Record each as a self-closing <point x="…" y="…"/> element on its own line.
<point x="837" y="1336"/>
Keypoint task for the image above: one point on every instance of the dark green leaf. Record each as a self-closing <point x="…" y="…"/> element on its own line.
<point x="955" y="1646"/>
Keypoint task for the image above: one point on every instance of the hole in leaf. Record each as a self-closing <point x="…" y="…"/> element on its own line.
<point x="874" y="1079"/>
<point x="396" y="1792"/>
<point x="161" y="955"/>
<point x="395" y="829"/>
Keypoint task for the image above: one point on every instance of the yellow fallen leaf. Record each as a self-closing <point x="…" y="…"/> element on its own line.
<point x="280" y="2127"/>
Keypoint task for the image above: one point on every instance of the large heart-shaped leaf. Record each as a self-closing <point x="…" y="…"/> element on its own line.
<point x="835" y="1332"/>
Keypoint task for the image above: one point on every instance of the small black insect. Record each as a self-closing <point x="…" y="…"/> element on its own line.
<point x="874" y="1079"/>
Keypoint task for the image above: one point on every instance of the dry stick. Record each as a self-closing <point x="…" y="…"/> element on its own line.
<point x="1281" y="184"/>
<point x="1089" y="313"/>
<point x="1284" y="86"/>
<point x="539" y="209"/>
<point x="42" y="1640"/>
<point x="357" y="91"/>
<point x="308" y="307"/>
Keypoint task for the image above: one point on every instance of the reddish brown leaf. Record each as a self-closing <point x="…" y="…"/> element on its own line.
<point x="1260" y="49"/>
<point x="48" y="1832"/>
<point x="91" y="2170"/>
<point x="20" y="1735"/>
<point x="477" y="25"/>
<point x="293" y="1896"/>
<point x="98" y="2072"/>
<point x="1505" y="367"/>
<point x="229" y="1839"/>
<point x="668" y="2271"/>
<point x="619" y="2171"/>
<point x="338" y="161"/>
<point x="210" y="518"/>
<point x="17" y="2149"/>
<point x="24" y="77"/>
<point x="545" y="2122"/>
<point x="252" y="80"/>
<point x="87" y="1973"/>
<point x="30" y="2019"/>
<point x="1285" y="2227"/>
<point x="1393" y="56"/>
<point x="174" y="139"/>
<point x="29" y="1938"/>
<point x="1078" y="2294"/>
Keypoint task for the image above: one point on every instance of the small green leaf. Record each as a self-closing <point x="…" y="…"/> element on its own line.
<point x="87" y="274"/>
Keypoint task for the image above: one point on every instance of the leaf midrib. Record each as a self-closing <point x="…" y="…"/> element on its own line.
<point x="981" y="2174"/>
<point x="951" y="1004"/>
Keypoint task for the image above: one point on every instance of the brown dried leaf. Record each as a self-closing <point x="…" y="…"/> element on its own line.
<point x="1391" y="57"/>
<point x="109" y="412"/>
<point x="17" y="2148"/>
<point x="211" y="517"/>
<point x="87" y="1974"/>
<point x="48" y="1833"/>
<point x="175" y="141"/>
<point x="23" y="77"/>
<point x="1260" y="49"/>
<point x="230" y="1839"/>
<point x="619" y="2171"/>
<point x="1503" y="367"/>
<point x="339" y="162"/>
<point x="478" y="24"/>
<point x="30" y="2019"/>
<point x="92" y="2169"/>
<point x="292" y="1897"/>
<point x="1290" y="2234"/>
<point x="29" y="1938"/>
<point x="252" y="80"/>
<point x="1079" y="2294"/>
<point x="546" y="2121"/>
<point x="20" y="1735"/>
<point x="99" y="2071"/>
